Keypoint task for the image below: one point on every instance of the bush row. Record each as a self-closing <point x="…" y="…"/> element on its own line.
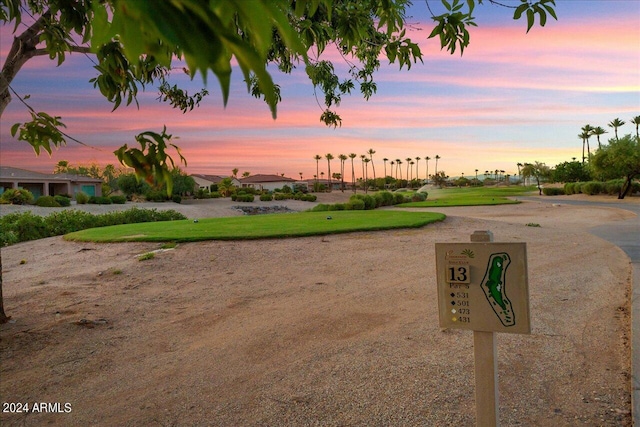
<point x="368" y="202"/>
<point x="612" y="187"/>
<point x="24" y="226"/>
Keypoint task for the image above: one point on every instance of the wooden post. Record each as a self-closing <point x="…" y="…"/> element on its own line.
<point x="486" y="365"/>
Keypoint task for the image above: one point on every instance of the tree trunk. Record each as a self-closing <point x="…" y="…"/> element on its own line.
<point x="3" y="317"/>
<point x="626" y="188"/>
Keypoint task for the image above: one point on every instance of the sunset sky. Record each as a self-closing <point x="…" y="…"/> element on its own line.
<point x="512" y="97"/>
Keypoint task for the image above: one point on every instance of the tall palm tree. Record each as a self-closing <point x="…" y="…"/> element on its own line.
<point x="317" y="157"/>
<point x="411" y="176"/>
<point x="392" y="165"/>
<point x="437" y="158"/>
<point x="362" y="157"/>
<point x="583" y="137"/>
<point x="597" y="131"/>
<point x="385" y="160"/>
<point x="300" y="175"/>
<point x="417" y="164"/>
<point x="588" y="131"/>
<point x="408" y="159"/>
<point x="366" y="174"/>
<point x="398" y="163"/>
<point x="342" y="158"/>
<point x="353" y="172"/>
<point x="371" y="153"/>
<point x="476" y="183"/>
<point x="636" y="121"/>
<point x="615" y="124"/>
<point x="329" y="157"/>
<point x="426" y="160"/>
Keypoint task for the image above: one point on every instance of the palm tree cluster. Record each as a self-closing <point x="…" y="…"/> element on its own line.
<point x="392" y="178"/>
<point x="587" y="131"/>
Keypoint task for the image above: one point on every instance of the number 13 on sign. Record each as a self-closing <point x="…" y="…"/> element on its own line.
<point x="458" y="274"/>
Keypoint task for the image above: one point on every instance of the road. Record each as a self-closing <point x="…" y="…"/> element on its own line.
<point x="626" y="235"/>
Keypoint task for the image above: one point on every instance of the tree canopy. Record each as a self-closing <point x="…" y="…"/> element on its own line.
<point x="619" y="159"/>
<point x="137" y="44"/>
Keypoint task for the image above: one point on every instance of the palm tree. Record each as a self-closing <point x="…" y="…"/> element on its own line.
<point x="636" y="121"/>
<point x="362" y="157"/>
<point x="398" y="163"/>
<point x="408" y="159"/>
<point x="246" y="174"/>
<point x="366" y="174"/>
<point x="588" y="130"/>
<point x="317" y="157"/>
<point x="385" y="160"/>
<point x="437" y="157"/>
<point x="426" y="160"/>
<point x="476" y="183"/>
<point x="353" y="172"/>
<point x="300" y="175"/>
<point x="234" y="172"/>
<point x="392" y="165"/>
<point x="597" y="131"/>
<point x="371" y="153"/>
<point x="583" y="137"/>
<point x="329" y="157"/>
<point x="418" y="164"/>
<point x="615" y="124"/>
<point x="342" y="158"/>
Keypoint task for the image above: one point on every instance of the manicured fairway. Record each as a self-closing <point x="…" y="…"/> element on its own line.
<point x="470" y="196"/>
<point x="259" y="226"/>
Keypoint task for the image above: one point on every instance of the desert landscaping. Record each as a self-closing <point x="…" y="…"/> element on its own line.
<point x="330" y="331"/>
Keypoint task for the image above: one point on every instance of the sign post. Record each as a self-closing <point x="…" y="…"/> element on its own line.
<point x="483" y="287"/>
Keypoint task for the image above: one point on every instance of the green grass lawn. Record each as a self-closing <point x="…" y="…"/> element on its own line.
<point x="258" y="227"/>
<point x="470" y="196"/>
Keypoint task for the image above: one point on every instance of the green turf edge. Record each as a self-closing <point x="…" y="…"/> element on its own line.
<point x="88" y="235"/>
<point x="451" y="203"/>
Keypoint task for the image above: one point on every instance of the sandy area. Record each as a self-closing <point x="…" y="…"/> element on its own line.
<point x="332" y="331"/>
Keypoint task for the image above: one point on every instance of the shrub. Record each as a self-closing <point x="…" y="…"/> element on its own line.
<point x="118" y="200"/>
<point x="355" y="204"/>
<point x="309" y="198"/>
<point x="569" y="188"/>
<point x="266" y="197"/>
<point x="399" y="198"/>
<point x="387" y="198"/>
<point x="592" y="187"/>
<point x="281" y="196"/>
<point x="176" y="198"/>
<point x="321" y="207"/>
<point x="613" y="186"/>
<point x="47" y="202"/>
<point x="63" y="200"/>
<point x="418" y="197"/>
<point x="215" y="195"/>
<point x="243" y="197"/>
<point x="553" y="191"/>
<point x="20" y="227"/>
<point x="99" y="200"/>
<point x="156" y="195"/>
<point x="369" y="202"/>
<point x="577" y="187"/>
<point x="82" y="198"/>
<point x="18" y="196"/>
<point x="337" y="207"/>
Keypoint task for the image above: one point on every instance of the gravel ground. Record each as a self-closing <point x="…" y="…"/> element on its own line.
<point x="331" y="331"/>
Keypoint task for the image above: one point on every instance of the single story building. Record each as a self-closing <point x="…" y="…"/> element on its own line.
<point x="42" y="184"/>
<point x="205" y="181"/>
<point x="267" y="182"/>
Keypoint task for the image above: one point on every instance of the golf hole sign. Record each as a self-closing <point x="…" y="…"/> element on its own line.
<point x="483" y="286"/>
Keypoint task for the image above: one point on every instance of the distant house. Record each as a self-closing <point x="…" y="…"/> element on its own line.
<point x="267" y="182"/>
<point x="42" y="184"/>
<point x="205" y="181"/>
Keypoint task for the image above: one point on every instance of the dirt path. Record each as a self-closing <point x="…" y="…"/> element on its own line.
<point x="338" y="330"/>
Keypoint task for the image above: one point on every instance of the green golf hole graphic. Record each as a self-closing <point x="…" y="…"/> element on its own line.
<point x="493" y="285"/>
